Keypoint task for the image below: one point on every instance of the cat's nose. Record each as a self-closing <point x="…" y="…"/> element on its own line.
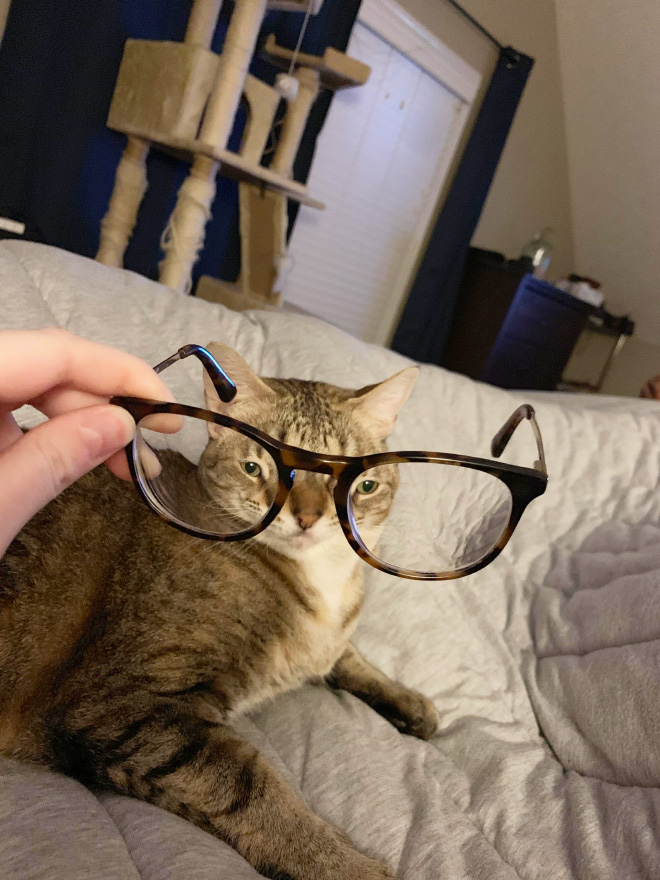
<point x="306" y="520"/>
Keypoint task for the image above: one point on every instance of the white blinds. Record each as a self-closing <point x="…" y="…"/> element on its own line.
<point x="376" y="167"/>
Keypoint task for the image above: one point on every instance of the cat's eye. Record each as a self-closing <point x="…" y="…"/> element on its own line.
<point x="455" y="512"/>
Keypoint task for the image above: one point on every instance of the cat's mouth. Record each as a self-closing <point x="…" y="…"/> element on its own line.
<point x="300" y="540"/>
<point x="303" y="539"/>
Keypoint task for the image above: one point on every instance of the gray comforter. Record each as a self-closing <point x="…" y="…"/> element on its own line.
<point x="544" y="666"/>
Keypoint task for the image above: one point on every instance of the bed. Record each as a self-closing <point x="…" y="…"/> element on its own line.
<point x="544" y="666"/>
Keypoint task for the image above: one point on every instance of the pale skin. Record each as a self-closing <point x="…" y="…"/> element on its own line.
<point x="69" y="380"/>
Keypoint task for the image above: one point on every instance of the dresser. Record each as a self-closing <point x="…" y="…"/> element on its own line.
<point x="512" y="329"/>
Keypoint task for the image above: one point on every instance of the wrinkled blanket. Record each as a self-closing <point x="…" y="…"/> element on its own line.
<point x="544" y="666"/>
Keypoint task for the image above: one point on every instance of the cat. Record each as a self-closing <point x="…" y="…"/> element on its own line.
<point x="126" y="647"/>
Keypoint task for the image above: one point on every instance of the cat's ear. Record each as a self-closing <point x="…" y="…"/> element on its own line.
<point x="377" y="406"/>
<point x="249" y="387"/>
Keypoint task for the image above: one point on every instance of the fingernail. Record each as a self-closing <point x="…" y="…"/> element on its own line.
<point x="105" y="429"/>
<point x="128" y="424"/>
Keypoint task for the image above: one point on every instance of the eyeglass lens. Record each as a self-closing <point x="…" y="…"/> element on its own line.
<point x="222" y="488"/>
<point x="421" y="516"/>
<point x="429" y="517"/>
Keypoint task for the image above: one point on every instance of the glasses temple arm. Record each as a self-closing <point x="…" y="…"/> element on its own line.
<point x="501" y="439"/>
<point x="221" y="381"/>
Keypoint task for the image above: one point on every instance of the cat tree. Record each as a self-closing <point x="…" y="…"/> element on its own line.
<point x="182" y="98"/>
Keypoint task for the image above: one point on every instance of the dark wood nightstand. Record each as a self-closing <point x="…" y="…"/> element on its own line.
<point x="511" y="329"/>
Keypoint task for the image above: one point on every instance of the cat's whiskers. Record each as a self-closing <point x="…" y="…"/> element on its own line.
<point x="187" y="546"/>
<point x="239" y="507"/>
<point x="266" y="541"/>
<point x="206" y="548"/>
<point x="237" y="549"/>
<point x="184" y="618"/>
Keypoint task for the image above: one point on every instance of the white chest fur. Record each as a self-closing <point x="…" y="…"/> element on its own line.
<point x="335" y="590"/>
<point x="329" y="572"/>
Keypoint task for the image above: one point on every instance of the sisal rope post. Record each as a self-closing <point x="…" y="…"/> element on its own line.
<point x="127" y="194"/>
<point x="131" y="175"/>
<point x="202" y="23"/>
<point x="233" y="67"/>
<point x="185" y="234"/>
<point x="295" y="120"/>
<point x="293" y="127"/>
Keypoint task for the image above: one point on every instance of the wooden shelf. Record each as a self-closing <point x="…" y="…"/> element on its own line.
<point x="336" y="70"/>
<point x="235" y="166"/>
<point x="294" y="5"/>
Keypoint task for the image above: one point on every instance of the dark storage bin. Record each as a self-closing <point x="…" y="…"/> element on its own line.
<point x="536" y="338"/>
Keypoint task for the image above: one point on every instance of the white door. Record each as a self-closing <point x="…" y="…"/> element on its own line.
<point x="380" y="163"/>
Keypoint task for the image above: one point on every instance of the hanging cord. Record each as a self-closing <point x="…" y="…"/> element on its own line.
<point x="512" y="57"/>
<point x="272" y="137"/>
<point x="296" y="51"/>
<point x="274" y="129"/>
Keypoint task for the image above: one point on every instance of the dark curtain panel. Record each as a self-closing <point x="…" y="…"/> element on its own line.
<point x="422" y="331"/>
<point x="58" y="66"/>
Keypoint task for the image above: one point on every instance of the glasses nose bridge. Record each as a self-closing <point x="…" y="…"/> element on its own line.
<point x="312" y="463"/>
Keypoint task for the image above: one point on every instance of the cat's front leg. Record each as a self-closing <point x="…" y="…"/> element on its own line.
<point x="409" y="711"/>
<point x="202" y="770"/>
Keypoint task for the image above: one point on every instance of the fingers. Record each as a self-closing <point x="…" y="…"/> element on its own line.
<point x="41" y="464"/>
<point x="9" y="431"/>
<point x="118" y="465"/>
<point x="39" y="366"/>
<point x="64" y="398"/>
<point x="70" y="380"/>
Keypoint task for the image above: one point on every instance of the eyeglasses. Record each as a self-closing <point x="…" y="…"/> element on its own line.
<point x="418" y="515"/>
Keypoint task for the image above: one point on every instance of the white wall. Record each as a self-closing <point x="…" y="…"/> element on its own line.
<point x="531" y="185"/>
<point x="611" y="77"/>
<point x="451" y="28"/>
<point x="4" y="12"/>
<point x="530" y="189"/>
<point x="584" y="150"/>
<point x="610" y="68"/>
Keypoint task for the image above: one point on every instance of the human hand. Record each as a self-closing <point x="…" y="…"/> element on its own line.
<point x="651" y="389"/>
<point x="69" y="380"/>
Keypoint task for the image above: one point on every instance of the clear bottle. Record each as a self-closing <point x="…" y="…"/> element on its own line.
<point x="539" y="252"/>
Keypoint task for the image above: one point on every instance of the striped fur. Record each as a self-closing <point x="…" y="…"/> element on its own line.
<point x="126" y="647"/>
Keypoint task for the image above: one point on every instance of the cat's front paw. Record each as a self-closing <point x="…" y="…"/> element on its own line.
<point x="380" y="872"/>
<point x="352" y="865"/>
<point x="414" y="714"/>
<point x="369" y="869"/>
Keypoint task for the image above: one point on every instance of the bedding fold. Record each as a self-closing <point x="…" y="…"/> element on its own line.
<point x="546" y="765"/>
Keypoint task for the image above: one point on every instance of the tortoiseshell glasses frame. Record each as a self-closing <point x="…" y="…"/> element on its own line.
<point x="524" y="484"/>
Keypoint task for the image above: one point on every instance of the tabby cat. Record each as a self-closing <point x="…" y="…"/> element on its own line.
<point x="126" y="647"/>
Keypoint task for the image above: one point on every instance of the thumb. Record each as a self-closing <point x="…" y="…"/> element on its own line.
<point x="53" y="455"/>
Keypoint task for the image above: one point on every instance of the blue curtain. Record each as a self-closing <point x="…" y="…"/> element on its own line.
<point x="58" y="65"/>
<point x="426" y="318"/>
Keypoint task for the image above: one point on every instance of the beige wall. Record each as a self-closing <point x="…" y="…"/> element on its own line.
<point x="4" y="11"/>
<point x="610" y="70"/>
<point x="636" y="363"/>
<point x="531" y="187"/>
<point x="583" y="150"/>
<point x="454" y="31"/>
